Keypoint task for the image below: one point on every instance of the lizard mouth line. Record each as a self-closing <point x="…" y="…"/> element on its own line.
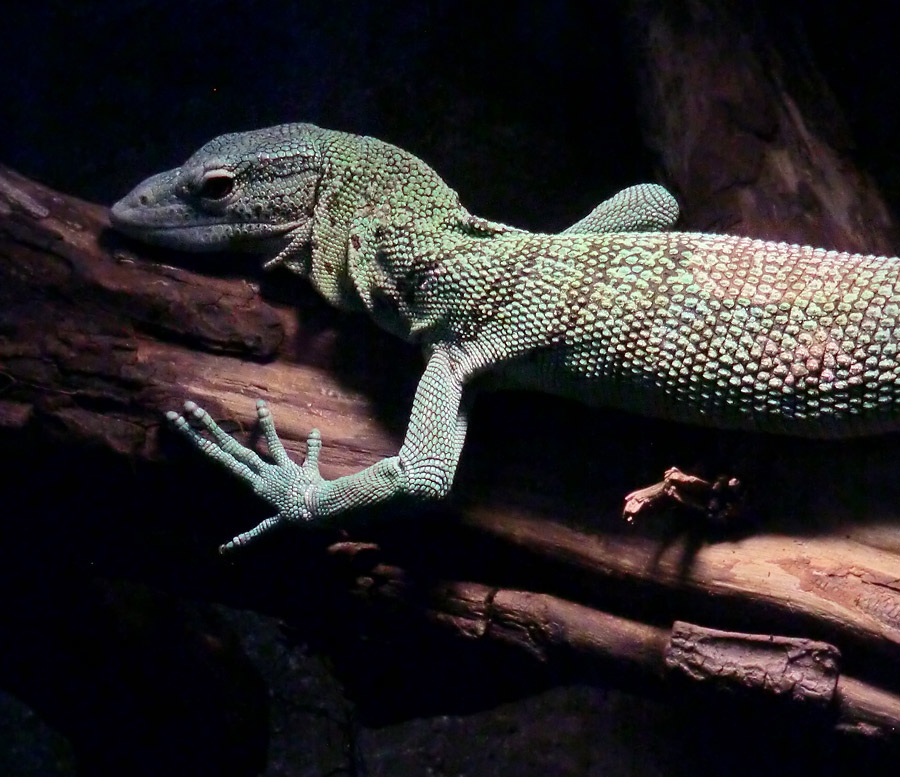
<point x="126" y="224"/>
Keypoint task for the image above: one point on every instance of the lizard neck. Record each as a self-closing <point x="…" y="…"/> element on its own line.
<point x="319" y="253"/>
<point x="387" y="236"/>
<point x="381" y="218"/>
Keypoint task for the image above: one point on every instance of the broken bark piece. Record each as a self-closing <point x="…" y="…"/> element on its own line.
<point x="805" y="670"/>
<point x="717" y="500"/>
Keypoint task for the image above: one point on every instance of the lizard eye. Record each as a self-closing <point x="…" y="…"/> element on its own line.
<point x="216" y="186"/>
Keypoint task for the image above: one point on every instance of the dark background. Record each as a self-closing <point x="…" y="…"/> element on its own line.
<point x="529" y="112"/>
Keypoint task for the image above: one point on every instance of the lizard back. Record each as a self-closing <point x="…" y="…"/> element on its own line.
<point x="717" y="330"/>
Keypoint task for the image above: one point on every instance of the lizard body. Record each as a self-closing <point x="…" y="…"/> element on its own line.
<point x="710" y="329"/>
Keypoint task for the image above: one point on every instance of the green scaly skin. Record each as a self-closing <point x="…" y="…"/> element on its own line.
<point x="707" y="329"/>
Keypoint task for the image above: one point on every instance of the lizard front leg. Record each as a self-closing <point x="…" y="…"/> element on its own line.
<point x="423" y="468"/>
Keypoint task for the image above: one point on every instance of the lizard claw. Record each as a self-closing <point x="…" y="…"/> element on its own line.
<point x="289" y="488"/>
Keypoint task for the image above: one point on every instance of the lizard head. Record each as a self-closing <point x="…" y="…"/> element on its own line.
<point x="246" y="190"/>
<point x="327" y="205"/>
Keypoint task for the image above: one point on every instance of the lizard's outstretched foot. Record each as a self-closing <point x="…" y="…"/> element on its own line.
<point x="718" y="500"/>
<point x="289" y="488"/>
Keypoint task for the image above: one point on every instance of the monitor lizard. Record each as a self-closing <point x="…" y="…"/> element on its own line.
<point x="618" y="310"/>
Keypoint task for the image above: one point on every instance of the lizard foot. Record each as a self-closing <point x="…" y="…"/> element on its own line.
<point x="284" y="485"/>
<point x="717" y="499"/>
